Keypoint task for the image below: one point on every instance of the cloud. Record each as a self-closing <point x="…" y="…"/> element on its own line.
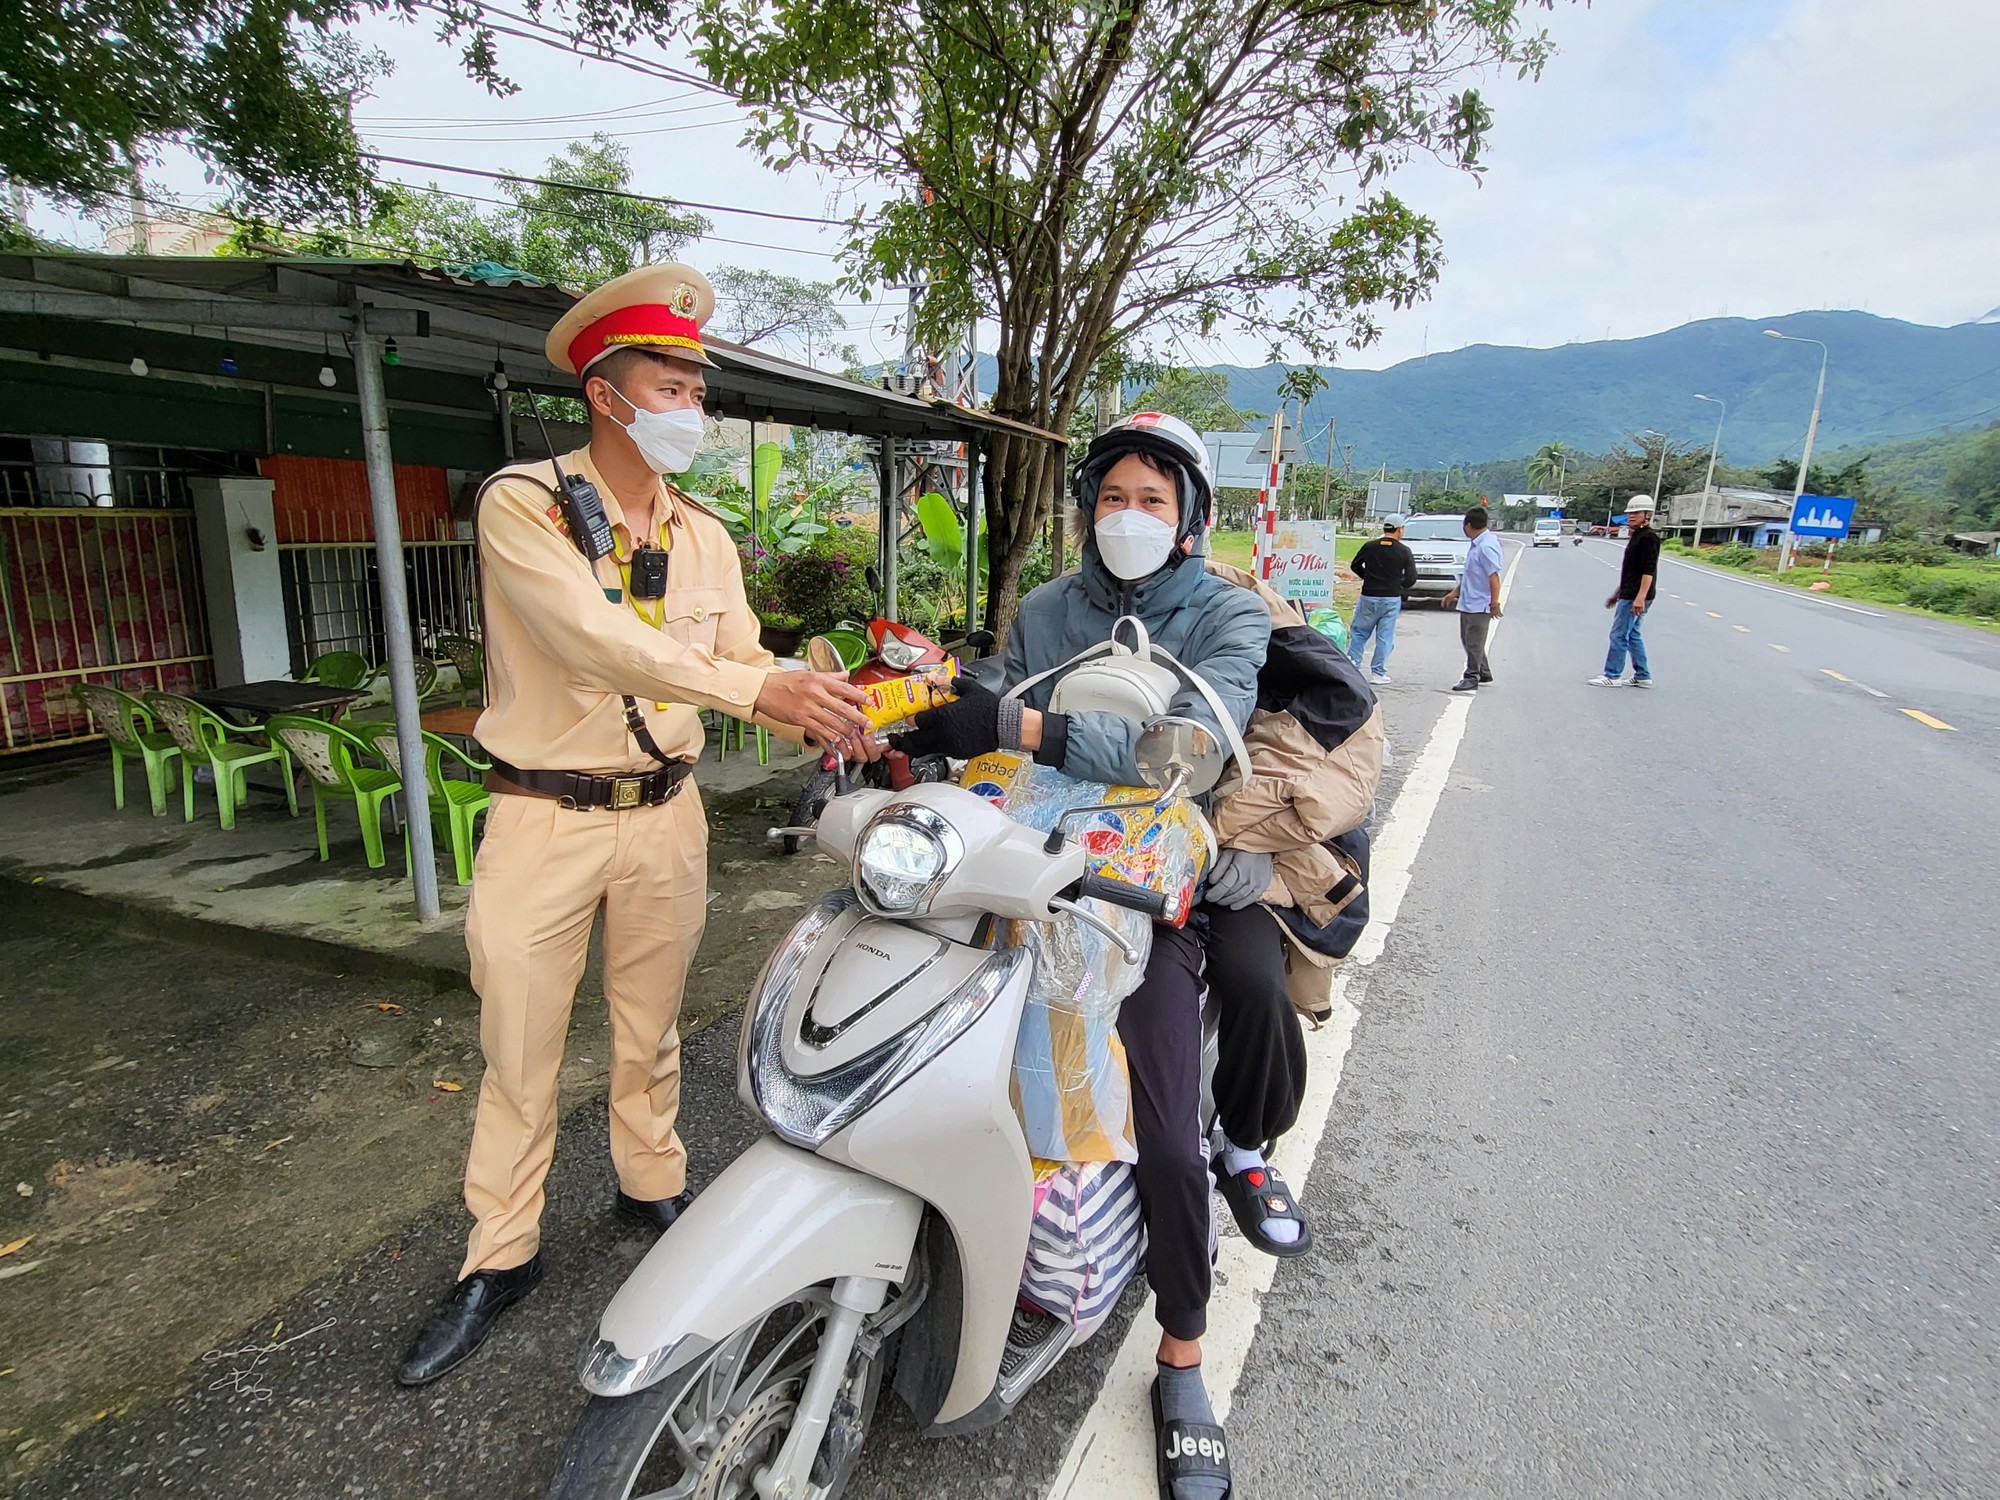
<point x="1685" y="158"/>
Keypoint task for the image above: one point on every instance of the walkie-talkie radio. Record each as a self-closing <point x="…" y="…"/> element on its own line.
<point x="582" y="506"/>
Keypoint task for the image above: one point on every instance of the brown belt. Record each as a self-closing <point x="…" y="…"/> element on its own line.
<point x="579" y="789"/>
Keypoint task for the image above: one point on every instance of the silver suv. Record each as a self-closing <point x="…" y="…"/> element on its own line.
<point x="1440" y="547"/>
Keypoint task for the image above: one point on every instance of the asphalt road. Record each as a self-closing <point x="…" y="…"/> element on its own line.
<point x="1663" y="1161"/>
<point x="1662" y="1164"/>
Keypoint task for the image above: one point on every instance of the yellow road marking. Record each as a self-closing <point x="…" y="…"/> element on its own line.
<point x="1836" y="676"/>
<point x="1744" y="628"/>
<point x="1923" y="718"/>
<point x="1713" y="615"/>
<point x="1776" y="647"/>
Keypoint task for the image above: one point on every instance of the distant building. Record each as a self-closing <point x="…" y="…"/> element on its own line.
<point x="1978" y="543"/>
<point x="1739" y="513"/>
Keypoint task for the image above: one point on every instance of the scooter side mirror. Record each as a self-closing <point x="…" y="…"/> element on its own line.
<point x="981" y="640"/>
<point x="874" y="577"/>
<point x="1181" y="753"/>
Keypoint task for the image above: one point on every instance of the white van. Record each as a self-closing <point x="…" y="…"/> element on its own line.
<point x="1548" y="531"/>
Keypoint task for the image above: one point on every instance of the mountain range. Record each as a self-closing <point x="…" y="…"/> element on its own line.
<point x="1886" y="381"/>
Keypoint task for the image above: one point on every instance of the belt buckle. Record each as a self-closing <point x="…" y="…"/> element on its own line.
<point x="627" y="791"/>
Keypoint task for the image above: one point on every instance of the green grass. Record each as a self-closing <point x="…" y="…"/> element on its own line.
<point x="1967" y="591"/>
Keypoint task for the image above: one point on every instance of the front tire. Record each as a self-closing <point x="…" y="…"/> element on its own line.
<point x="813" y="798"/>
<point x="704" y="1432"/>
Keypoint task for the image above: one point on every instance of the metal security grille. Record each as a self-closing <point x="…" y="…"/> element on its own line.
<point x="333" y="603"/>
<point x="100" y="595"/>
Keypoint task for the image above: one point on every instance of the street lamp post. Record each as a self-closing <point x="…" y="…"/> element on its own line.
<point x="1708" y="484"/>
<point x="1659" y="478"/>
<point x="1812" y="430"/>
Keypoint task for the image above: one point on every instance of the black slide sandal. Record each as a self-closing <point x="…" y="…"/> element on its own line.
<point x="1188" y="1450"/>
<point x="1257" y="1196"/>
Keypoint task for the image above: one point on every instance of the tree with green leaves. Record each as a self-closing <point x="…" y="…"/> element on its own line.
<point x="1095" y="178"/>
<point x="574" y="239"/>
<point x="1199" y="398"/>
<point x="754" y="307"/>
<point x="1972" y="479"/>
<point x="1549" y="469"/>
<point x="260" y="93"/>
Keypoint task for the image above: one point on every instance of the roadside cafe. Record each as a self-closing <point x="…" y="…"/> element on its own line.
<point x="246" y="485"/>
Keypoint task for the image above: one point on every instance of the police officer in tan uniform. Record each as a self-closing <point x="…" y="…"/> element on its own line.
<point x="599" y="669"/>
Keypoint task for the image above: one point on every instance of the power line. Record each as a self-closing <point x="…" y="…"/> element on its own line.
<point x="604" y="192"/>
<point x="486" y="138"/>
<point x="644" y="110"/>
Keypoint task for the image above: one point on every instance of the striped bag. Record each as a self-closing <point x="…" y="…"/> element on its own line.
<point x="1085" y="1242"/>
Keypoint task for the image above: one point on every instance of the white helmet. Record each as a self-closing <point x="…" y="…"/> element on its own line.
<point x="1162" y="436"/>
<point x="1639" y="503"/>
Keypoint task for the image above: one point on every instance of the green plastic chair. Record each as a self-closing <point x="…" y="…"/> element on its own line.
<point x="455" y="802"/>
<point x="347" y="669"/>
<point x="468" y="659"/>
<point x="335" y="759"/>
<point x="122" y="719"/>
<point x="229" y="750"/>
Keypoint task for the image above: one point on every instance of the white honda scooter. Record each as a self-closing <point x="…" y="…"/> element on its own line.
<point x="886" y="1221"/>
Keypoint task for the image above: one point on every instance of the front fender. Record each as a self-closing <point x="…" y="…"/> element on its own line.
<point x="776" y="1221"/>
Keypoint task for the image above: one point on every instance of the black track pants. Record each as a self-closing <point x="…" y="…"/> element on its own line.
<point x="1260" y="1075"/>
<point x="1160" y="1025"/>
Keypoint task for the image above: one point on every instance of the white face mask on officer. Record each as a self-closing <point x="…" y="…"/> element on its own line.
<point x="667" y="440"/>
<point x="1133" y="544"/>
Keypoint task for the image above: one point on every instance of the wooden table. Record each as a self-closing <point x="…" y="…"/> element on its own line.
<point x="276" y="696"/>
<point x="458" y="722"/>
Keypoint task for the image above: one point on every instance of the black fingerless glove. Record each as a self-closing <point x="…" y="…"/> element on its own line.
<point x="970" y="726"/>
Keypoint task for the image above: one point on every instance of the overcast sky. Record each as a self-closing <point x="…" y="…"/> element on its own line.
<point x="1679" y="159"/>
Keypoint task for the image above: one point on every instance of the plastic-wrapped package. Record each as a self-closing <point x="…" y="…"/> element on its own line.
<point x="1085" y="1241"/>
<point x="1070" y="1086"/>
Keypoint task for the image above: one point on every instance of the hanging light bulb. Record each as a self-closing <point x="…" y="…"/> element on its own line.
<point x="390" y="354"/>
<point x="326" y="376"/>
<point x="497" y="381"/>
<point x="139" y="365"/>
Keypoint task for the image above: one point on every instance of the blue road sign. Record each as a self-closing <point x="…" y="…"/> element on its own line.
<point x="1822" y="515"/>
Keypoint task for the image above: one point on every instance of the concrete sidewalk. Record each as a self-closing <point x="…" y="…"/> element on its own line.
<point x="261" y="888"/>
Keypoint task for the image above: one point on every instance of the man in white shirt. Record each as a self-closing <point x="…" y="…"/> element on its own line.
<point x="1477" y="599"/>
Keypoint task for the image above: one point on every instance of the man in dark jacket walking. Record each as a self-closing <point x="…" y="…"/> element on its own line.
<point x="1638" y="584"/>
<point x="1387" y="569"/>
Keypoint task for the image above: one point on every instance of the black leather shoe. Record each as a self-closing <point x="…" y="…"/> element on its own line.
<point x="462" y="1321"/>
<point x="659" y="1214"/>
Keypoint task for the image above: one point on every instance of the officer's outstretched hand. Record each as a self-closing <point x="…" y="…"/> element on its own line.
<point x="961" y="729"/>
<point x="823" y="704"/>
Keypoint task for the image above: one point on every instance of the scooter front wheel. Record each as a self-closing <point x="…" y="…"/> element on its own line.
<point x="813" y="798"/>
<point x="705" y="1432"/>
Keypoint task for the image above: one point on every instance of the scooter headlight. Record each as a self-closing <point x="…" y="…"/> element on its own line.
<point x="899" y="653"/>
<point x="902" y="858"/>
<point x="813" y="1111"/>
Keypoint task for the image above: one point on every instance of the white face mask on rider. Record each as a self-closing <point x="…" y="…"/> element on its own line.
<point x="667" y="440"/>
<point x="1133" y="544"/>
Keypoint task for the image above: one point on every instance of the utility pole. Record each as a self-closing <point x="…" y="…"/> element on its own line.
<point x="1326" y="490"/>
<point x="1708" y="484"/>
<point x="1812" y="430"/>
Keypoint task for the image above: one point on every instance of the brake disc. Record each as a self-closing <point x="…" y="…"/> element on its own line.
<point x="751" y="1442"/>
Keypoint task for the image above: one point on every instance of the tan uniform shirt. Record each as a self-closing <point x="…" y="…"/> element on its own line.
<point x="560" y="652"/>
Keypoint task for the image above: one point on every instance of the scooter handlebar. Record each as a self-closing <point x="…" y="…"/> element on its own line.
<point x="1137" y="898"/>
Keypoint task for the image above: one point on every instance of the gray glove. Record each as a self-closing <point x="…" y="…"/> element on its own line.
<point x="1239" y="878"/>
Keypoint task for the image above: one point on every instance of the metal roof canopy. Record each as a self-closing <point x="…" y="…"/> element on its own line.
<point x="455" y="323"/>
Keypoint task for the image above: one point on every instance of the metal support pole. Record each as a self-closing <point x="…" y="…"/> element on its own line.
<point x="891" y="523"/>
<point x="1708" y="484"/>
<point x="974" y="477"/>
<point x="1789" y="545"/>
<point x="396" y="617"/>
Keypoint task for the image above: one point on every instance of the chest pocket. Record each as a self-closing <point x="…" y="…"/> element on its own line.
<point x="693" y="615"/>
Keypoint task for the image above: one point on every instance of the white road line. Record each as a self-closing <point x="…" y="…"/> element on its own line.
<point x="1778" y="588"/>
<point x="1112" y="1455"/>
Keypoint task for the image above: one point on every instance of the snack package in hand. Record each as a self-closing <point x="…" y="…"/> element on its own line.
<point x="903" y="698"/>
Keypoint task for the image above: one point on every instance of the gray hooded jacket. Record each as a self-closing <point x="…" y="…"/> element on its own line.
<point x="1208" y="624"/>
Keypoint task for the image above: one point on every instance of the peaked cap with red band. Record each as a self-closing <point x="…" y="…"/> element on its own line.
<point x="662" y="308"/>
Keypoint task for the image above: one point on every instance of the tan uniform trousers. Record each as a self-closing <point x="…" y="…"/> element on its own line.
<point x="543" y="871"/>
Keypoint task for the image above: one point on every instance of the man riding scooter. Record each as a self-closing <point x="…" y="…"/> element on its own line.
<point x="1143" y="489"/>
